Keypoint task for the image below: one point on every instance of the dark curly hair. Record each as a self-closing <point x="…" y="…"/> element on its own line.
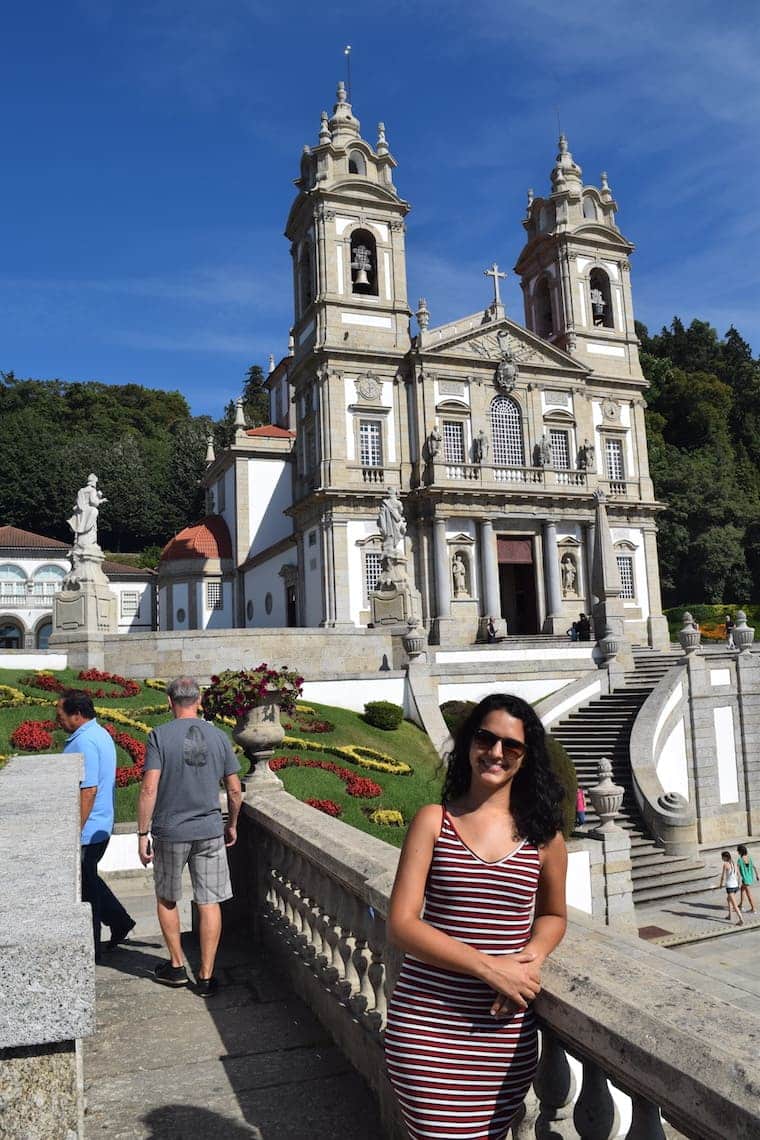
<point x="536" y="792"/>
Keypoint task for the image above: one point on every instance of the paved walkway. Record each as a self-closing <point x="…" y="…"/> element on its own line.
<point x="250" y="1062"/>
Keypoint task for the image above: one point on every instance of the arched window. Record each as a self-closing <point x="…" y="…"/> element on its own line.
<point x="356" y="163"/>
<point x="589" y="207"/>
<point x="305" y="277"/>
<point x="11" y="634"/>
<point x="12" y="580"/>
<point x="363" y="263"/>
<point x="47" y="581"/>
<point x="507" y="433"/>
<point x="542" y="307"/>
<point x="601" y="299"/>
<point x="42" y="636"/>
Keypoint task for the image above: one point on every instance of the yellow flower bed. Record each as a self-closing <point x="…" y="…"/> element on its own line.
<point x="10" y="697"/>
<point x="155" y="683"/>
<point x="122" y="718"/>
<point x="387" y="817"/>
<point x="356" y="754"/>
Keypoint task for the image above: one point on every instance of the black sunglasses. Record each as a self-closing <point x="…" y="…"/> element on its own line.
<point x="514" y="749"/>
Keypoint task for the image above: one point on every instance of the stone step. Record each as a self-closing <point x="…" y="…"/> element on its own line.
<point x="667" y="890"/>
<point x="661" y="863"/>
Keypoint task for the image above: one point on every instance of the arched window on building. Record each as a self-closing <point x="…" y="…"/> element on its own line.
<point x="305" y="277"/>
<point x="12" y="581"/>
<point x="601" y="299"/>
<point x="507" y="433"/>
<point x="589" y="208"/>
<point x="42" y="633"/>
<point x="363" y="263"/>
<point x="356" y="163"/>
<point x="11" y="634"/>
<point x="542" y="307"/>
<point x="47" y="581"/>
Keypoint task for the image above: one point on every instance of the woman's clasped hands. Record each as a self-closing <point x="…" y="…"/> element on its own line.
<point x="516" y="978"/>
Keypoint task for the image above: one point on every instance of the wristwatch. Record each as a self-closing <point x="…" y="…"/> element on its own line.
<point x="142" y="834"/>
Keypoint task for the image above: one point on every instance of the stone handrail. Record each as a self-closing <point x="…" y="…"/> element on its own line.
<point x="670" y="818"/>
<point x="47" y="977"/>
<point x="613" y="1008"/>
<point x="590" y="684"/>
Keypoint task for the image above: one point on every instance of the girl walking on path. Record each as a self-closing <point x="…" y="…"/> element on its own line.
<point x="730" y="875"/>
<point x="488" y="867"/>
<point x="747" y="875"/>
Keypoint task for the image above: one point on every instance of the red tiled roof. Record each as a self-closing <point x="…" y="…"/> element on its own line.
<point x="208" y="538"/>
<point x="121" y="568"/>
<point x="18" y="539"/>
<point x="273" y="431"/>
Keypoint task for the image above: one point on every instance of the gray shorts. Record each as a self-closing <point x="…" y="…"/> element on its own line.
<point x="207" y="861"/>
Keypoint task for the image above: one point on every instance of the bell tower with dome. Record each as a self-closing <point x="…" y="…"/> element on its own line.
<point x="575" y="272"/>
<point x="346" y="229"/>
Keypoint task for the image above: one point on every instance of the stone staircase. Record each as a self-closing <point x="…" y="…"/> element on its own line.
<point x="603" y="728"/>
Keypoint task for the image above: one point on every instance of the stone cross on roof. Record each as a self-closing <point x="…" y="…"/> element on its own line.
<point x="497" y="276"/>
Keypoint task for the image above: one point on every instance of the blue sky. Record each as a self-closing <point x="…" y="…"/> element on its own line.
<point x="149" y="148"/>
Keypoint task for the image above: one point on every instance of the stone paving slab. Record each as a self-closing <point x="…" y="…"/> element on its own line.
<point x="252" y="1061"/>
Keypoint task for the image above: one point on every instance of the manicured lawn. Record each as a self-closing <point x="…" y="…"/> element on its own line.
<point x="407" y="743"/>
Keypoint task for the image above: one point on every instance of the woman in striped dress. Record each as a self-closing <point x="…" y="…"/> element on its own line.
<point x="488" y="868"/>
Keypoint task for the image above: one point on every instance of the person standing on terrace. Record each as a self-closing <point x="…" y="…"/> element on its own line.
<point x="477" y="906"/>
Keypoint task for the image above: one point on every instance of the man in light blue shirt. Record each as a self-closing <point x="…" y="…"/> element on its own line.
<point x="76" y="713"/>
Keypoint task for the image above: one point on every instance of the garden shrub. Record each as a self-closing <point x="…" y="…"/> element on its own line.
<point x="454" y="712"/>
<point x="383" y="714"/>
<point x="564" y="769"/>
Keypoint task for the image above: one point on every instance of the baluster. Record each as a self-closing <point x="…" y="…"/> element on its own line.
<point x="596" y="1116"/>
<point x="362" y="1000"/>
<point x="311" y="936"/>
<point x="334" y="971"/>
<point x="349" y="983"/>
<point x="555" y="1084"/>
<point x="321" y="926"/>
<point x="376" y="976"/>
<point x="645" y="1120"/>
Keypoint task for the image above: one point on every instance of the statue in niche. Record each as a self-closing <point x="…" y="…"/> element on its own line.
<point x="84" y="520"/>
<point x="459" y="573"/>
<point x="543" y="452"/>
<point x="569" y="576"/>
<point x="391" y="522"/>
<point x="435" y="439"/>
<point x="362" y="264"/>
<point x="481" y="447"/>
<point x="598" y="305"/>
<point x="586" y="457"/>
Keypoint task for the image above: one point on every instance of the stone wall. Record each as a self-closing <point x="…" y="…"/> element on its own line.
<point x="47" y="980"/>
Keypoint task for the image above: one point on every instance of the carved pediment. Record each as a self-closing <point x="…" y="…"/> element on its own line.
<point x="493" y="342"/>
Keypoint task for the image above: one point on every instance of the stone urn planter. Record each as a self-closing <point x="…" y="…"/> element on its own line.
<point x="606" y="796"/>
<point x="689" y="636"/>
<point x="254" y="698"/>
<point x="744" y="634"/>
<point x="415" y="639"/>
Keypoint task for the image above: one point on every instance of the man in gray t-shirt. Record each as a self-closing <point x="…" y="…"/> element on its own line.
<point x="185" y="762"/>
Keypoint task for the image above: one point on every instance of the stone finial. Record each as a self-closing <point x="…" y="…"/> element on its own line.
<point x="270" y="368"/>
<point x="530" y="197"/>
<point x="606" y="193"/>
<point x="382" y="144"/>
<point x="240" y="424"/>
<point x="607" y="797"/>
<point x="210" y="453"/>
<point x="422" y="314"/>
<point x="291" y="344"/>
<point x="341" y="95"/>
<point x="743" y="634"/>
<point x="565" y="168"/>
<point x="343" y="126"/>
<point x="324" y="130"/>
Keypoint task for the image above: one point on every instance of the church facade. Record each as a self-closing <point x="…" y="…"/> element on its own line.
<point x="494" y="435"/>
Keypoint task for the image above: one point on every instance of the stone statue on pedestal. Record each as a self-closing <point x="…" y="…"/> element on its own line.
<point x="85" y="605"/>
<point x="481" y="447"/>
<point x="391" y="522"/>
<point x="84" y="521"/>
<point x="460" y="575"/>
<point x="394" y="601"/>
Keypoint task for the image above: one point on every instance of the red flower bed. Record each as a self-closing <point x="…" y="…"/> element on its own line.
<point x="359" y="786"/>
<point x="306" y="723"/>
<point x="136" y="750"/>
<point x="329" y="807"/>
<point x="33" y="735"/>
<point x="50" y="684"/>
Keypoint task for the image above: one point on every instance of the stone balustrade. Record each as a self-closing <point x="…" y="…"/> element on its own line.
<point x="47" y="976"/>
<point x="635" y="1041"/>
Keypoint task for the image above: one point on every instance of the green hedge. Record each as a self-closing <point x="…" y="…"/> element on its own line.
<point x="710" y="619"/>
<point x="383" y="714"/>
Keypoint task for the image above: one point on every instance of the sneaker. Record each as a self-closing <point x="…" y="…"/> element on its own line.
<point x="118" y="936"/>
<point x="206" y="987"/>
<point x="169" y="975"/>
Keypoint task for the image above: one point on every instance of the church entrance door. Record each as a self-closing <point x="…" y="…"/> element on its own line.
<point x="291" y="606"/>
<point x="517" y="585"/>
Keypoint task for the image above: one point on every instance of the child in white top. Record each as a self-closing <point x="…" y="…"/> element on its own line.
<point x="730" y="875"/>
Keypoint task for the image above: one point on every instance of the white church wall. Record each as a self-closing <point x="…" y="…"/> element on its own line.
<point x="269" y="495"/>
<point x="212" y="617"/>
<point x="133" y="606"/>
<point x="672" y="764"/>
<point x="180" y="617"/>
<point x="530" y="690"/>
<point x="163" y="608"/>
<point x="265" y="593"/>
<point x="16" y="659"/>
<point x="312" y="576"/>
<point x="636" y="539"/>
<point x="353" y="693"/>
<point x="356" y="531"/>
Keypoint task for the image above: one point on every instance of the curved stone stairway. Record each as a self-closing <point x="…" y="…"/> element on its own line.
<point x="603" y="728"/>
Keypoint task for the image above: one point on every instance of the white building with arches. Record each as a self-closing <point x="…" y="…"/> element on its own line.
<point x="495" y="433"/>
<point x="32" y="569"/>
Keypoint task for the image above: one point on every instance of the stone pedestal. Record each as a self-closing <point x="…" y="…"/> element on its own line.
<point x="86" y="603"/>
<point x="394" y="602"/>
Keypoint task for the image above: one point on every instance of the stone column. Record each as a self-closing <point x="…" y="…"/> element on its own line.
<point x="328" y="581"/>
<point x="657" y="623"/>
<point x="340" y="572"/>
<point x="748" y="695"/>
<point x="588" y="551"/>
<point x="489" y="565"/>
<point x="442" y="570"/>
<point x="554" y="618"/>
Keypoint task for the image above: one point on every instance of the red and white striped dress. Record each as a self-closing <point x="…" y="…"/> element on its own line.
<point x="458" y="1072"/>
